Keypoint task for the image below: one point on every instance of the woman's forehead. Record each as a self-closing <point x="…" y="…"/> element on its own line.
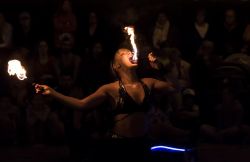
<point x="122" y="51"/>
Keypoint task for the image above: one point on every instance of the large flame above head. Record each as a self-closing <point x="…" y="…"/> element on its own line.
<point x="130" y="31"/>
<point x="15" y="68"/>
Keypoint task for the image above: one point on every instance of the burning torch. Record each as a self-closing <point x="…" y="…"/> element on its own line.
<point x="130" y="31"/>
<point x="15" y="68"/>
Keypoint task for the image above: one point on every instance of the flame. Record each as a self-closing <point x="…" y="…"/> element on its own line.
<point x="130" y="31"/>
<point x="15" y="68"/>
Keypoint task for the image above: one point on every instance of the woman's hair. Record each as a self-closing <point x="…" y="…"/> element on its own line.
<point x="113" y="72"/>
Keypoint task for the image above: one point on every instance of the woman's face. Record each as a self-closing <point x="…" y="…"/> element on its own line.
<point x="124" y="58"/>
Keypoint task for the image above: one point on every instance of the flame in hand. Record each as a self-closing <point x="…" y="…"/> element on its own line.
<point x="130" y="31"/>
<point x="15" y="68"/>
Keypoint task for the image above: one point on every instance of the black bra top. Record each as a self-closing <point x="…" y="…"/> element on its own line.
<point x="127" y="105"/>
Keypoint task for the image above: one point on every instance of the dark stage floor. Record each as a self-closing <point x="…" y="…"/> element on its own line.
<point x="205" y="153"/>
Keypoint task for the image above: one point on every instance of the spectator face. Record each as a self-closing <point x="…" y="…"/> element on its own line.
<point x="97" y="50"/>
<point x="206" y="49"/>
<point x="92" y="18"/>
<point x="162" y="18"/>
<point x="200" y="17"/>
<point x="188" y="100"/>
<point x="43" y="47"/>
<point x="66" y="7"/>
<point x="2" y="19"/>
<point x="131" y="16"/>
<point x="24" y="19"/>
<point x="230" y="17"/>
<point x="227" y="96"/>
<point x="66" y="82"/>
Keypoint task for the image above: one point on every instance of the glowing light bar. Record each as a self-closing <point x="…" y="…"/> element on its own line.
<point x="167" y="148"/>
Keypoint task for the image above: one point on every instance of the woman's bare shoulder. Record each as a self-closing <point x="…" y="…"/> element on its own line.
<point x="110" y="86"/>
<point x="148" y="81"/>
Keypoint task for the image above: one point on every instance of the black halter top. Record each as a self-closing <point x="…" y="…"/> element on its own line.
<point x="127" y="105"/>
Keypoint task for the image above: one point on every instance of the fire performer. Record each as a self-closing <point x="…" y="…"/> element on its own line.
<point x="129" y="97"/>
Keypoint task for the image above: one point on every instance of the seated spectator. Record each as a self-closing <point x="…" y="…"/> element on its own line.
<point x="94" y="30"/>
<point x="65" y="23"/>
<point x="5" y="33"/>
<point x="204" y="63"/>
<point x="24" y="34"/>
<point x="246" y="34"/>
<point x="79" y="127"/>
<point x="161" y="128"/>
<point x="37" y="117"/>
<point x="178" y="68"/>
<point x="44" y="64"/>
<point x="68" y="62"/>
<point x="99" y="74"/>
<point x="44" y="126"/>
<point x="198" y="31"/>
<point x="164" y="32"/>
<point x="228" y="126"/>
<point x="8" y="121"/>
<point x="229" y="37"/>
<point x="188" y="116"/>
<point x="19" y="92"/>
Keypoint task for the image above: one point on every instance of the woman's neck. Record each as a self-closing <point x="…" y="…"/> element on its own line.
<point x="129" y="77"/>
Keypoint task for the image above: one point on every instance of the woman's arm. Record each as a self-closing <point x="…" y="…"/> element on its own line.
<point x="87" y="103"/>
<point x="164" y="86"/>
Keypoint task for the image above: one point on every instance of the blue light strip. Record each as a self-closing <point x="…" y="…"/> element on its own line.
<point x="162" y="148"/>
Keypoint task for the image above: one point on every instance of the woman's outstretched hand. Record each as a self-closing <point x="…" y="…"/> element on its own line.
<point x="152" y="57"/>
<point x="43" y="89"/>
